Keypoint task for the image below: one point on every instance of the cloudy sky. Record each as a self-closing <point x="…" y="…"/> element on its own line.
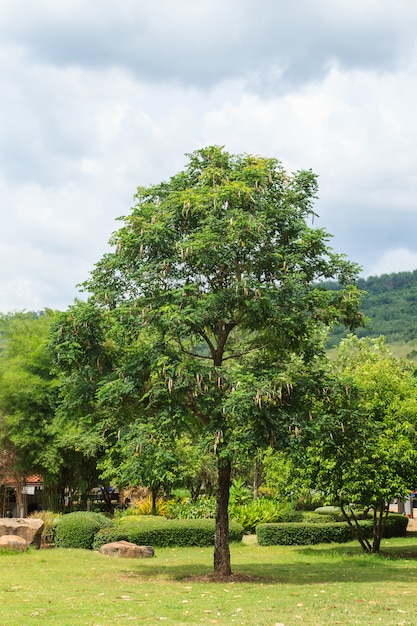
<point x="98" y="97"/>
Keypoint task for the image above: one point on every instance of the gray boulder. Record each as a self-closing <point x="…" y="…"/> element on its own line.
<point x="13" y="542"/>
<point x="127" y="550"/>
<point x="28" y="528"/>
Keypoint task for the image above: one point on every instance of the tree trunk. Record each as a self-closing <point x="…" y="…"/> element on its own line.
<point x="357" y="531"/>
<point x="257" y="471"/>
<point x="380" y="517"/>
<point x="107" y="499"/>
<point x="154" y="494"/>
<point x="221" y="537"/>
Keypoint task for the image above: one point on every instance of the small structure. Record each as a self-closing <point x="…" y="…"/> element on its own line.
<point x="20" y="496"/>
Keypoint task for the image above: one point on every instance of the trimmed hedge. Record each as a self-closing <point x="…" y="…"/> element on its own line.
<point x="311" y="517"/>
<point x="338" y="532"/>
<point x="395" y="526"/>
<point x="299" y="534"/>
<point x="77" y="530"/>
<point x="161" y="532"/>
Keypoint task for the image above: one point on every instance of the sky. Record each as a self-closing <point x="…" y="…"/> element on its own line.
<point x="99" y="97"/>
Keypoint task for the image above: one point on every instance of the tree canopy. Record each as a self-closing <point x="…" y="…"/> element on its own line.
<point x="28" y="398"/>
<point x="208" y="304"/>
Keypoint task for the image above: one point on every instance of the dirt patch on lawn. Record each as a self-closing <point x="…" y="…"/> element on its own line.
<point x="218" y="578"/>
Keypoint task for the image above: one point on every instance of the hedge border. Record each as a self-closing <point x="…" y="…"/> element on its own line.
<point x="337" y="532"/>
<point x="169" y="533"/>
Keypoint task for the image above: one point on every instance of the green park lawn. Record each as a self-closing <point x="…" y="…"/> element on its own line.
<point x="324" y="584"/>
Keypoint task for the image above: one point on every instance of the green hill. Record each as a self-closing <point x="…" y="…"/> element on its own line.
<point x="390" y="303"/>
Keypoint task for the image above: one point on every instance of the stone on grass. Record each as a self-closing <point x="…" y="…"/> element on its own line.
<point x="126" y="550"/>
<point x="13" y="542"/>
<point x="29" y="529"/>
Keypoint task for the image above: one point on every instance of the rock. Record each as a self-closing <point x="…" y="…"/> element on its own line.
<point x="127" y="550"/>
<point x="13" y="542"/>
<point x="29" y="529"/>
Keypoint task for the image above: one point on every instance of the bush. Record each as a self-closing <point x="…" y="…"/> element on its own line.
<point x="298" y="534"/>
<point x="311" y="533"/>
<point x="77" y="530"/>
<point x="395" y="525"/>
<point x="256" y="512"/>
<point x="328" y="510"/>
<point x="337" y="514"/>
<point x="161" y="532"/>
<point x="311" y="517"/>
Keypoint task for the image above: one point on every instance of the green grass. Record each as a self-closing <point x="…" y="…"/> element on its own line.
<point x="314" y="585"/>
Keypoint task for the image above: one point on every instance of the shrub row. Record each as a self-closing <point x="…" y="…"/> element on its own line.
<point x="92" y="530"/>
<point x="159" y="532"/>
<point x="312" y="533"/>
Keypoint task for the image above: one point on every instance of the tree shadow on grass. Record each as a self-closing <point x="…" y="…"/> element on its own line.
<point x="329" y="564"/>
<point x="389" y="550"/>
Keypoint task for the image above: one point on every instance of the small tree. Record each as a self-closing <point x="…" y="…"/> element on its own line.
<point x="218" y="268"/>
<point x="364" y="427"/>
<point x="28" y="398"/>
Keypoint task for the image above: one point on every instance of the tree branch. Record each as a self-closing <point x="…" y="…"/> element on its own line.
<point x="196" y="410"/>
<point x="190" y="353"/>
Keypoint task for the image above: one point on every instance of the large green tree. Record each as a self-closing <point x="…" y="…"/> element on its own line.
<point x="216" y="273"/>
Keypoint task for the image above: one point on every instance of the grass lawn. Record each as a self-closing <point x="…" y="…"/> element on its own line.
<point x="325" y="584"/>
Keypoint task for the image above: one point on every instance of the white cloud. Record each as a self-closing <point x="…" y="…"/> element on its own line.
<point x="396" y="260"/>
<point x="98" y="98"/>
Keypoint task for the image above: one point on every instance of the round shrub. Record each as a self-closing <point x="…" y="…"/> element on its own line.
<point x="310" y="517"/>
<point x="327" y="510"/>
<point x="77" y="530"/>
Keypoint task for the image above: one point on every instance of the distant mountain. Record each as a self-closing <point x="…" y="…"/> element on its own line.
<point x="390" y="303"/>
